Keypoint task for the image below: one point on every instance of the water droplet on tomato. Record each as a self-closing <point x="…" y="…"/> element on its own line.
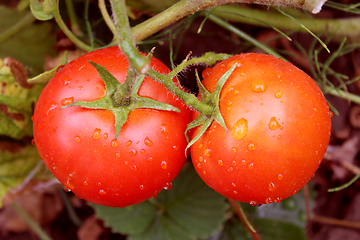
<point x="86" y="183"/>
<point x="106" y="135"/>
<point x="252" y="203"/>
<point x="163" y="128"/>
<point x="233" y="184"/>
<point x="240" y="129"/>
<point x="269" y="200"/>
<point x="230" y="169"/>
<point x="134" y="168"/>
<point x="128" y="144"/>
<point x="67" y="101"/>
<point x="148" y="142"/>
<point x="33" y="142"/>
<point x="207" y="152"/>
<point x="201" y="159"/>
<point x="176" y="147"/>
<point x="69" y="184"/>
<point x="236" y="92"/>
<point x="65" y="81"/>
<point x="251" y="146"/>
<point x="66" y="189"/>
<point x="77" y="139"/>
<point x="251" y="166"/>
<point x="198" y="165"/>
<point x="234" y="163"/>
<point x="271" y="187"/>
<point x="163" y="164"/>
<point x="204" y="172"/>
<point x="279" y="94"/>
<point x="114" y="143"/>
<point x="278" y="199"/>
<point x="102" y="192"/>
<point x="235" y="192"/>
<point x="142" y="187"/>
<point x="258" y="86"/>
<point x="331" y="114"/>
<point x="126" y="162"/>
<point x="51" y="108"/>
<point x="234" y="149"/>
<point x="280" y="176"/>
<point x="150" y="159"/>
<point x="243" y="162"/>
<point x="142" y="151"/>
<point x="168" y="186"/>
<point x="220" y="162"/>
<point x="201" y="146"/>
<point x="132" y="152"/>
<point x="274" y="124"/>
<point x="96" y="134"/>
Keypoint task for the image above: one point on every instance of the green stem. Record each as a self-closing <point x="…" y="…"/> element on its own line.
<point x="240" y="212"/>
<point x="184" y="8"/>
<point x="27" y="20"/>
<point x="33" y="225"/>
<point x="243" y="35"/>
<point x="187" y="98"/>
<point x="74" y="25"/>
<point x="107" y="17"/>
<point x="349" y="27"/>
<point x="67" y="31"/>
<point x="342" y="94"/>
<point x="125" y="38"/>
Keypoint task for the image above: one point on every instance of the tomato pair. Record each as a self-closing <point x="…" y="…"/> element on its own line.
<point x="278" y="130"/>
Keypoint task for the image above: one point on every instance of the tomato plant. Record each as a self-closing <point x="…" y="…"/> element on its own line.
<point x="78" y="145"/>
<point x="278" y="130"/>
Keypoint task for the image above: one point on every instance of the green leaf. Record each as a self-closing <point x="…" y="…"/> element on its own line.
<point x="190" y="210"/>
<point x="42" y="10"/>
<point x="30" y="45"/>
<point x="15" y="167"/>
<point x="16" y="105"/>
<point x="268" y="229"/>
<point x="48" y="75"/>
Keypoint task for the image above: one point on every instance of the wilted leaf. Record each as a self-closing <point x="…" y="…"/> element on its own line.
<point x="16" y="105"/>
<point x="15" y="167"/>
<point x="30" y="45"/>
<point x="188" y="211"/>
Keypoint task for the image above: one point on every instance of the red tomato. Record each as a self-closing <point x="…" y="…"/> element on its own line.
<point x="278" y="130"/>
<point x="78" y="145"/>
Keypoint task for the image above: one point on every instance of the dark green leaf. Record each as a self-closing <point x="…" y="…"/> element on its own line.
<point x="188" y="211"/>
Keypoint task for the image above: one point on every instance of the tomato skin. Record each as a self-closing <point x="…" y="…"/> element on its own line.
<point x="78" y="146"/>
<point x="279" y="126"/>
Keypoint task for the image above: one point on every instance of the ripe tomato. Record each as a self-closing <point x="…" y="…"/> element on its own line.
<point x="278" y="130"/>
<point x="78" y="145"/>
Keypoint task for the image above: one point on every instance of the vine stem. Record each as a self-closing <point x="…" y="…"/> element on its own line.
<point x="184" y="8"/>
<point x="34" y="226"/>
<point x="67" y="31"/>
<point x="240" y="212"/>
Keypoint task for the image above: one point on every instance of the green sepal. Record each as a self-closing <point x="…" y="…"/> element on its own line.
<point x="212" y="99"/>
<point x="121" y="113"/>
<point x="42" y="10"/>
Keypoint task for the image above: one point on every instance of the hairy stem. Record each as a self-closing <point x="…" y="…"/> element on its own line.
<point x="125" y="38"/>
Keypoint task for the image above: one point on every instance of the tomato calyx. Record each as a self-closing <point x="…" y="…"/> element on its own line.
<point x="212" y="99"/>
<point x="121" y="108"/>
